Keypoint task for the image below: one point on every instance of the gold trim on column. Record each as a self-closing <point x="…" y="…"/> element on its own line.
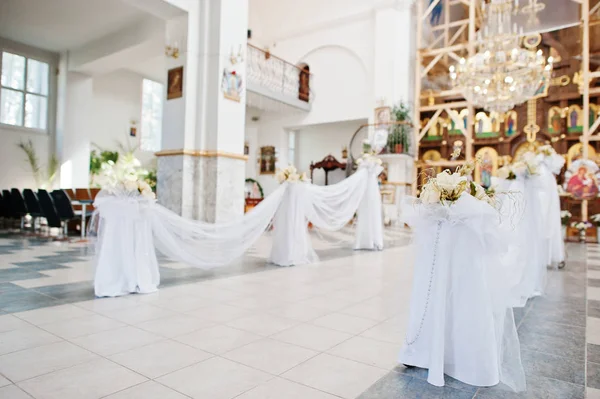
<point x="201" y="153"/>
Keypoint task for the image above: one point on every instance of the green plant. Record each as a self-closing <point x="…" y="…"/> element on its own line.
<point x="400" y="132"/>
<point x="41" y="180"/>
<point x="260" y="189"/>
<point x="97" y="158"/>
<point x="150" y="178"/>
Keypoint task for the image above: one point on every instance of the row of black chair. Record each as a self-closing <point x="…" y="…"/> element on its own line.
<point x="55" y="207"/>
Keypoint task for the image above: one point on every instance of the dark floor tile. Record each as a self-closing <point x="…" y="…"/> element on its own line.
<point x="593" y="353"/>
<point x="546" y="302"/>
<point x="592" y="303"/>
<point x="593" y="375"/>
<point x="537" y="388"/>
<point x="573" y="348"/>
<point x="14" y="274"/>
<point x="532" y="325"/>
<point x="32" y="300"/>
<point x="593" y="282"/>
<point x="39" y="265"/>
<point x="396" y="385"/>
<point x="569" y="316"/>
<point x="594" y="312"/>
<point x="550" y="366"/>
<point x="73" y="292"/>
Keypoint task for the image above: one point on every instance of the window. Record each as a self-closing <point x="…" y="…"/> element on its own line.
<point x="24" y="91"/>
<point x="152" y="110"/>
<point x="292" y="147"/>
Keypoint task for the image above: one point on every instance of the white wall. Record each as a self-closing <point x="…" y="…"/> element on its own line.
<point x="117" y="102"/>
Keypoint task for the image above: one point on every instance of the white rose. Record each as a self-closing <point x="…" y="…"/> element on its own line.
<point x="304" y="177"/>
<point x="130" y="185"/>
<point x="148" y="194"/>
<point x="503" y="172"/>
<point x="429" y="194"/>
<point x="519" y="168"/>
<point x="449" y="182"/>
<point x="143" y="186"/>
<point x="293" y="177"/>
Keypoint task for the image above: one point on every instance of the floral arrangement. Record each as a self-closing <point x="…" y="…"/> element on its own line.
<point x="596" y="219"/>
<point x="291" y="174"/>
<point x="512" y="171"/>
<point x="366" y="144"/>
<point x="547" y="150"/>
<point x="565" y="216"/>
<point x="582" y="226"/>
<point x="531" y="163"/>
<point x="447" y="187"/>
<point x="368" y="158"/>
<point x="124" y="176"/>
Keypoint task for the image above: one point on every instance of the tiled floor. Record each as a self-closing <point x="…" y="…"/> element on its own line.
<point x="252" y="331"/>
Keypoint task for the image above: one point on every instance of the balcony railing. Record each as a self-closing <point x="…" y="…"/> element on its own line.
<point x="278" y="80"/>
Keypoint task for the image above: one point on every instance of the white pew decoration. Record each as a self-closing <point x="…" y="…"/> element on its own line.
<point x="131" y="226"/>
<point x="461" y="321"/>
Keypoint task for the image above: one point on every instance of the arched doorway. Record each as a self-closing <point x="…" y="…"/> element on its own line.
<point x="304" y="83"/>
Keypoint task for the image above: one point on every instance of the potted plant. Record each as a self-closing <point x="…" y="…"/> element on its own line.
<point x="596" y="220"/>
<point x="398" y="139"/>
<point x="565" y="217"/>
<point x="582" y="227"/>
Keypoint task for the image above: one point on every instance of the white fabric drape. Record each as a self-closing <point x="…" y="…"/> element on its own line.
<point x="328" y="208"/>
<point x="125" y="257"/>
<point x="461" y="321"/>
<point x="553" y="245"/>
<point x="534" y="276"/>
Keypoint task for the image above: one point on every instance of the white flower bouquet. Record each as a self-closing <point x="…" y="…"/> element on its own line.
<point x="565" y="216"/>
<point x="547" y="150"/>
<point x="124" y="176"/>
<point x="531" y="163"/>
<point x="512" y="171"/>
<point x="368" y="158"/>
<point x="290" y="174"/>
<point x="595" y="218"/>
<point x="582" y="226"/>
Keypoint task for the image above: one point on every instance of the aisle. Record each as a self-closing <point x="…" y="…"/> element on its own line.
<point x="323" y="331"/>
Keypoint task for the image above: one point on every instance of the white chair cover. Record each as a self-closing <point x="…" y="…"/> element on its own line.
<point x="554" y="246"/>
<point x="534" y="276"/>
<point x="461" y="322"/>
<point x="125" y="257"/>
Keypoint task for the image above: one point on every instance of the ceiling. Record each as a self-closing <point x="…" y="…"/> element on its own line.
<point x="58" y="25"/>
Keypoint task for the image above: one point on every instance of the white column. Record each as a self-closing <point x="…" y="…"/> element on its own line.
<point x="206" y="179"/>
<point x="74" y="113"/>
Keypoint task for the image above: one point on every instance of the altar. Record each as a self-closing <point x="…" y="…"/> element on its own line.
<point x="396" y="184"/>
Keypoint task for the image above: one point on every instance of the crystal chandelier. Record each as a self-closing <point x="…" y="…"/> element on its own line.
<point x="501" y="74"/>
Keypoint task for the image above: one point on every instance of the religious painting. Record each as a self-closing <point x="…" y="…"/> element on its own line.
<point x="532" y="41"/>
<point x="175" y="83"/>
<point x="231" y="85"/>
<point x="581" y="179"/>
<point x="463" y="116"/>
<point x="575" y="153"/>
<point x="267" y="160"/>
<point x="495" y="122"/>
<point x="542" y="90"/>
<point x="510" y="123"/>
<point x="554" y="120"/>
<point x="435" y="130"/>
<point x="487" y="167"/>
<point x="483" y="126"/>
<point x="383" y="176"/>
<point x="133" y="131"/>
<point x="574" y="119"/>
<point x="593" y="114"/>
<point x="383" y="115"/>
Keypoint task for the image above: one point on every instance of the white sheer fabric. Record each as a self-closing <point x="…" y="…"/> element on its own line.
<point x="125" y="257"/>
<point x="534" y="277"/>
<point x="328" y="208"/>
<point x="553" y="245"/>
<point x="461" y="321"/>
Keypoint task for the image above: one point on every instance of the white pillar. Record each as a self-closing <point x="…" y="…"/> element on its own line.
<point x="74" y="113"/>
<point x="202" y="174"/>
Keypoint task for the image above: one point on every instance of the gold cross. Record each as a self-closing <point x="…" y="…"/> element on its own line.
<point x="532" y="129"/>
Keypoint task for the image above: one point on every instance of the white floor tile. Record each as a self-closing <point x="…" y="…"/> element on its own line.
<point x="79" y="327"/>
<point x="174" y="326"/>
<point x="299" y="312"/>
<point x="94" y="379"/>
<point x="140" y="314"/>
<point x="591" y="393"/>
<point x="28" y="363"/>
<point x="342" y="377"/>
<point x="29" y="337"/>
<point x="160" y="358"/>
<point x="592" y="331"/>
<point x="13" y="392"/>
<point x="147" y="390"/>
<point x="109" y="305"/>
<point x="278" y="388"/>
<point x="272" y="356"/>
<point x="220" y="313"/>
<point x="111" y="342"/>
<point x="368" y="351"/>
<point x="4" y="381"/>
<point x="9" y="322"/>
<point x="218" y="339"/>
<point x="262" y="324"/>
<point x="215" y="378"/>
<point x="312" y="337"/>
<point x="184" y="303"/>
<point x="593" y="293"/>
<point x="52" y="314"/>
<point x="345" y="323"/>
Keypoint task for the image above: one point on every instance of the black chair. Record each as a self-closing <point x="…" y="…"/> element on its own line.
<point x="6" y="201"/>
<point x="18" y="204"/>
<point x="48" y="209"/>
<point x="33" y="206"/>
<point x="63" y="206"/>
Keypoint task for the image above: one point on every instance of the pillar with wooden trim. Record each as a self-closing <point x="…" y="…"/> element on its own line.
<point x="201" y="166"/>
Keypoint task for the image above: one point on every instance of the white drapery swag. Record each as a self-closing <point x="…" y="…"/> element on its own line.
<point x="461" y="321"/>
<point x="328" y="208"/>
<point x="130" y="228"/>
<point x="553" y="245"/>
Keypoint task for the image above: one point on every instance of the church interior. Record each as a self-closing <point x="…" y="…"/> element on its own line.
<point x="273" y="199"/>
